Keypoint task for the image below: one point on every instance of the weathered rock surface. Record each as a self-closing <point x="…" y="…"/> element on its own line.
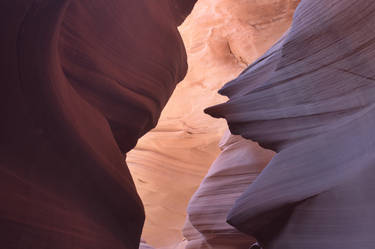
<point x="310" y="98"/>
<point x="237" y="166"/>
<point x="81" y="81"/>
<point x="169" y="163"/>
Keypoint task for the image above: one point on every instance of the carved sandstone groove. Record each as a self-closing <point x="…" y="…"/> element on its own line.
<point x="81" y="81"/>
<point x="310" y="98"/>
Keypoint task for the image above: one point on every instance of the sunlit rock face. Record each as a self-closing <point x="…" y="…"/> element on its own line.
<point x="169" y="163"/>
<point x="310" y="98"/>
<point x="144" y="245"/>
<point x="81" y="81"/>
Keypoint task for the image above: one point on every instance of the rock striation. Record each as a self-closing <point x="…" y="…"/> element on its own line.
<point x="168" y="164"/>
<point x="81" y="81"/>
<point x="310" y="99"/>
<point x="237" y="166"/>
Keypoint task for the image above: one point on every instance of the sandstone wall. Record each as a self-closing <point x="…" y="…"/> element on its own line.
<point x="81" y="81"/>
<point x="221" y="37"/>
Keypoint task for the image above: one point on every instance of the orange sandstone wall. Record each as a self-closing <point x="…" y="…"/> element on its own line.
<point x="221" y="37"/>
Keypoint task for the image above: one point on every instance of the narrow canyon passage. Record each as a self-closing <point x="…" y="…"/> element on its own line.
<point x="222" y="37"/>
<point x="108" y="140"/>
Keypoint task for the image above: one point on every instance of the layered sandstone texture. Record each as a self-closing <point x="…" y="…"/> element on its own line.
<point x="310" y="98"/>
<point x="237" y="166"/>
<point x="221" y="37"/>
<point x="81" y="81"/>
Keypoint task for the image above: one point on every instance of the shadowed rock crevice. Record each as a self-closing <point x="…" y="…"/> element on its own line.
<point x="172" y="159"/>
<point x="81" y="81"/>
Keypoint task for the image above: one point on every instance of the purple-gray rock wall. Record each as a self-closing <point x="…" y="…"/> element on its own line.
<point x="311" y="99"/>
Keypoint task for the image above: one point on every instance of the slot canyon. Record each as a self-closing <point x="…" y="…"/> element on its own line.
<point x="187" y="124"/>
<point x="168" y="164"/>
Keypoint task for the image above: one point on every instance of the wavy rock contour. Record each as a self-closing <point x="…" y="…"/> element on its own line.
<point x="238" y="165"/>
<point x="310" y="99"/>
<point x="81" y="81"/>
<point x="221" y="38"/>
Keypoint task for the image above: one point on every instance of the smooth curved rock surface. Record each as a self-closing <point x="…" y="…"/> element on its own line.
<point x="310" y="98"/>
<point x="237" y="166"/>
<point x="221" y="37"/>
<point x="81" y="81"/>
